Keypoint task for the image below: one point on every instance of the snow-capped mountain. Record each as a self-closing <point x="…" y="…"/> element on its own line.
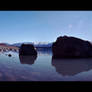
<point x="19" y="44"/>
<point x="40" y="44"/>
<point x="43" y="45"/>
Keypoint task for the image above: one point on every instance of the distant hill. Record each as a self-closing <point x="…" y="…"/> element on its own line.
<point x="19" y="44"/>
<point x="43" y="45"/>
<point x="4" y="44"/>
<point x="40" y="44"/>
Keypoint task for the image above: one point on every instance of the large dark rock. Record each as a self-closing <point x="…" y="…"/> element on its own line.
<point x="27" y="49"/>
<point x="71" y="47"/>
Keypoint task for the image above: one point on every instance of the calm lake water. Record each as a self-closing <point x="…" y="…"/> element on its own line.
<point x="43" y="68"/>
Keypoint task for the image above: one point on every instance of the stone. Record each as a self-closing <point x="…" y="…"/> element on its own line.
<point x="9" y="55"/>
<point x="71" y="47"/>
<point x="27" y="49"/>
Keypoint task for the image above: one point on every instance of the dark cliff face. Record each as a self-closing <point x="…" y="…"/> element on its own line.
<point x="71" y="47"/>
<point x="27" y="49"/>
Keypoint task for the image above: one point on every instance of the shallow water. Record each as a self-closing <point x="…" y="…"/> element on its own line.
<point x="43" y="68"/>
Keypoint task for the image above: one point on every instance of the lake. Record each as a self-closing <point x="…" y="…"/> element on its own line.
<point x="43" y="68"/>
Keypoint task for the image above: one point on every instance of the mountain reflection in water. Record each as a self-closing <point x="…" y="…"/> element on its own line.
<point x="27" y="59"/>
<point x="71" y="67"/>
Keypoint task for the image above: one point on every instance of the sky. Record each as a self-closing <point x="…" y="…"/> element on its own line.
<point x="44" y="26"/>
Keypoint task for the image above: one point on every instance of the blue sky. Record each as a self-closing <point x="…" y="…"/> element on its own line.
<point x="44" y="26"/>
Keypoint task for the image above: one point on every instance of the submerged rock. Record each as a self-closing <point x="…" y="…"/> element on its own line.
<point x="71" y="47"/>
<point x="27" y="49"/>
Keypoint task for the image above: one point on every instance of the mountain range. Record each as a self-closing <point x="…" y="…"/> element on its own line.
<point x="40" y="44"/>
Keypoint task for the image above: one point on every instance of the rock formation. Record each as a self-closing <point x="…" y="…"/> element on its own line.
<point x="27" y="49"/>
<point x="71" y="47"/>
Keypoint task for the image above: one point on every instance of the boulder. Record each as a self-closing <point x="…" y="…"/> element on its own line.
<point x="71" y="47"/>
<point x="9" y="55"/>
<point x="27" y="49"/>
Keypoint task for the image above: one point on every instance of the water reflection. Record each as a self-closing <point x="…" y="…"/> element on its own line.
<point x="27" y="59"/>
<point x="47" y="51"/>
<point x="71" y="67"/>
